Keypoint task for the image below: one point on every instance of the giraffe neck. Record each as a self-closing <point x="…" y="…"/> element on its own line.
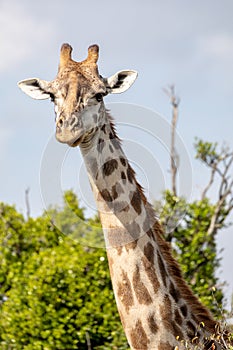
<point x="155" y="304"/>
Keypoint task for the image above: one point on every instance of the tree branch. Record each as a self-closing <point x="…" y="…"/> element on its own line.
<point x="174" y="158"/>
<point x="206" y="189"/>
<point x="225" y="194"/>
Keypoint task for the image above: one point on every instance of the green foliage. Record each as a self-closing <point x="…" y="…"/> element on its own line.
<point x="206" y="151"/>
<point x="187" y="225"/>
<point x="19" y="239"/>
<point x="63" y="293"/>
<point x="55" y="293"/>
<point x="70" y="220"/>
<point x="192" y="227"/>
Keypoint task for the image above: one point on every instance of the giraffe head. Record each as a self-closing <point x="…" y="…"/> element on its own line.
<point x="77" y="93"/>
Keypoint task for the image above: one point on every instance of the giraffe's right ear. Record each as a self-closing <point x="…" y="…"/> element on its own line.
<point x="35" y="88"/>
<point x="121" y="81"/>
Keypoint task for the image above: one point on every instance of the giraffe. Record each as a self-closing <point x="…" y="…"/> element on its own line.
<point x="157" y="308"/>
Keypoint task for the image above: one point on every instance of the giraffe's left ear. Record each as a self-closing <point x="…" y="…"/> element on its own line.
<point x="121" y="81"/>
<point x="36" y="88"/>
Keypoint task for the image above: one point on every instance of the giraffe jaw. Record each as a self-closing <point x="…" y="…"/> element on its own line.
<point x="72" y="142"/>
<point x="69" y="136"/>
<point x="76" y="143"/>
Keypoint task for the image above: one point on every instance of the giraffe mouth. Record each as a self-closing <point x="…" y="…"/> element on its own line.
<point x="69" y="136"/>
<point x="76" y="143"/>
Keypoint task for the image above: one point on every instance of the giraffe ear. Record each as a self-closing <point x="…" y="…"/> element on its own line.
<point x="121" y="81"/>
<point x="35" y="88"/>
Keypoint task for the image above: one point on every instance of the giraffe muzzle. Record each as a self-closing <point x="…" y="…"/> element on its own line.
<point x="69" y="130"/>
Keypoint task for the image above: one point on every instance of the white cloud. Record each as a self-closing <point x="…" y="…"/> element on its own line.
<point x="20" y="31"/>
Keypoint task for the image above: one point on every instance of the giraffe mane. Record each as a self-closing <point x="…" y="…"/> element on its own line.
<point x="200" y="312"/>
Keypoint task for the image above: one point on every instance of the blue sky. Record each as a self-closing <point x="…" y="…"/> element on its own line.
<point x="186" y="43"/>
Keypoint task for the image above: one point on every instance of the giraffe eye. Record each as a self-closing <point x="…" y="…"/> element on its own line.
<point x="99" y="97"/>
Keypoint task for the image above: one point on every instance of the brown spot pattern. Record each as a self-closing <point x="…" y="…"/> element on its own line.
<point x="106" y="195"/>
<point x="191" y="329"/>
<point x="178" y="317"/>
<point x="149" y="252"/>
<point x="177" y="331"/>
<point x="165" y="346"/>
<point x="167" y="306"/>
<point x="109" y="167"/>
<point x="103" y="128"/>
<point x="184" y="310"/>
<point x="151" y="273"/>
<point x="150" y="233"/>
<point x="131" y="245"/>
<point x="117" y="190"/>
<point x="115" y="140"/>
<point x="126" y="207"/>
<point x="130" y="175"/>
<point x="166" y="315"/>
<point x="119" y="250"/>
<point x="124" y="292"/>
<point x="100" y="145"/>
<point x="136" y="202"/>
<point x="111" y="136"/>
<point x="165" y="312"/>
<point x="152" y="324"/>
<point x="138" y="337"/>
<point x="123" y="161"/>
<point x="174" y="292"/>
<point x="140" y="289"/>
<point x="114" y="192"/>
<point x="123" y="176"/>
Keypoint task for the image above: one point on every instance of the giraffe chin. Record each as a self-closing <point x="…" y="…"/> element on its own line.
<point x="75" y="143"/>
<point x="68" y="138"/>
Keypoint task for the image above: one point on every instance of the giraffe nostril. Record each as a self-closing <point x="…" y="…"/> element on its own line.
<point x="60" y="122"/>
